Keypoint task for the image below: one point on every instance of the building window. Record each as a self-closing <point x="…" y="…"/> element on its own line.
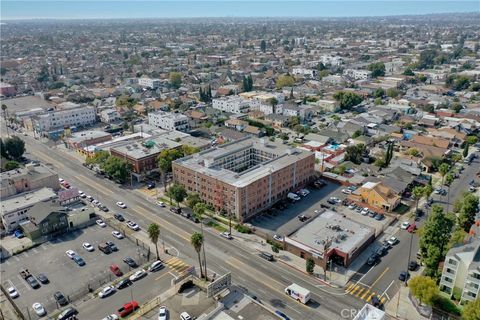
<point x="452" y="262"/>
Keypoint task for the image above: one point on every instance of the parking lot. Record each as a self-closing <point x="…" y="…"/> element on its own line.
<point x="64" y="274"/>
<point x="358" y="215"/>
<point x="285" y="221"/>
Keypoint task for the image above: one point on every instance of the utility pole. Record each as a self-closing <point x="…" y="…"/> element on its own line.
<point x="408" y="258"/>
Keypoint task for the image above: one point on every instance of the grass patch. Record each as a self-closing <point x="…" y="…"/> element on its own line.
<point x="242" y="229"/>
<point x="445" y="304"/>
<point x="167" y="201"/>
<point x="216" y="226"/>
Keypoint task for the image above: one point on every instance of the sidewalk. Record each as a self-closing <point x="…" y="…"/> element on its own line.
<point x="401" y="307"/>
<point x="6" y="309"/>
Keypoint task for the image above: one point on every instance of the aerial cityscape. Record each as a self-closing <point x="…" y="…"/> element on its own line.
<point x="220" y="160"/>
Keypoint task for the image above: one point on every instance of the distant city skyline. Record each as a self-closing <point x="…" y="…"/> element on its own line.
<point x="113" y="9"/>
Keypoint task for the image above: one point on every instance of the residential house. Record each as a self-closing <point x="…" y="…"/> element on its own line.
<point x="378" y="195"/>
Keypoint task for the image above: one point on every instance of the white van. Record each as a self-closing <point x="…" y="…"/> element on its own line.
<point x="293" y="196"/>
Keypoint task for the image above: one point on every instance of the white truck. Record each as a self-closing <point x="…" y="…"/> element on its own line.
<point x="298" y="293"/>
<point x="293" y="196"/>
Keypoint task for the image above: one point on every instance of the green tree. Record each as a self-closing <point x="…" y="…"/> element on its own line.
<point x="377" y="69"/>
<point x="379" y="93"/>
<point x="424" y="289"/>
<point x="356" y="153"/>
<point x="443" y="169"/>
<point x="14" y="147"/>
<point x="418" y="193"/>
<point x="177" y="192"/>
<point x="434" y="238"/>
<point x="153" y="234"/>
<point x="164" y="161"/>
<point x="117" y="168"/>
<point x="389" y="153"/>
<point x="461" y="83"/>
<point x="98" y="158"/>
<point x="471" y="140"/>
<point x="11" y="164"/>
<point x="3" y="151"/>
<point x="428" y="190"/>
<point x="263" y="45"/>
<point x="199" y="210"/>
<point x="413" y="152"/>
<point x="471" y="311"/>
<point x="356" y="134"/>
<point x="393" y="92"/>
<point x="465" y="150"/>
<point x="408" y="72"/>
<point x="125" y="101"/>
<point x="347" y="99"/>
<point x="468" y="210"/>
<point x="197" y="242"/>
<point x="193" y="199"/>
<point x="285" y="80"/>
<point x="189" y="150"/>
<point x="309" y="265"/>
<point x="457" y="238"/>
<point x="175" y="79"/>
<point x="449" y="179"/>
<point x="427" y="59"/>
<point x="456" y="107"/>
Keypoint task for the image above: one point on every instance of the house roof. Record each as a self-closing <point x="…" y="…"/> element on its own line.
<point x="40" y="211"/>
<point x="431" y="141"/>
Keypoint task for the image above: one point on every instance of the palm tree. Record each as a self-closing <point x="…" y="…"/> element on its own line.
<point x="443" y="169"/>
<point x="418" y="193"/>
<point x="197" y="242"/>
<point x="154" y="234"/>
<point x="4" y="109"/>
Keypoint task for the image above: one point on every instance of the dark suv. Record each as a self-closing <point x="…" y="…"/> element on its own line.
<point x="60" y="298"/>
<point x="373" y="259"/>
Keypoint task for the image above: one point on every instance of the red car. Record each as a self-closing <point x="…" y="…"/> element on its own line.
<point x="116" y="270"/>
<point x="412" y="228"/>
<point x="128" y="308"/>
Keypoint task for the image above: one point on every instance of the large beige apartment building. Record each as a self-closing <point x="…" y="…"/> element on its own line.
<point x="246" y="176"/>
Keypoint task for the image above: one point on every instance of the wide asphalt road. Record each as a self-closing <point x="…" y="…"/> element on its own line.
<point x="265" y="279"/>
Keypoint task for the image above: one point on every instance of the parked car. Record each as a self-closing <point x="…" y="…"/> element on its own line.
<point x="404" y="275"/>
<point x="105" y="248"/>
<point x="226" y="235"/>
<point x="13" y="293"/>
<point x="176" y="210"/>
<point x="42" y="278"/>
<point x="70" y="254"/>
<point x="346" y="191"/>
<point x="19" y="234"/>
<point x="382" y="251"/>
<point x="67" y="314"/>
<point x="116" y="270"/>
<point x="119" y="217"/>
<point x="155" y="266"/>
<point x="121" y="205"/>
<point x="392" y="241"/>
<point x="162" y="313"/>
<point x="412" y="265"/>
<point x="105" y="292"/>
<point x="131" y="263"/>
<point x="373" y="259"/>
<point x="132" y="225"/>
<point x="39" y="309"/>
<point x="87" y="246"/>
<point x="117" y="234"/>
<point x="124" y="283"/>
<point x="405" y="225"/>
<point x="277" y="237"/>
<point x="60" y="298"/>
<point x="138" y="275"/>
<point x="128" y="308"/>
<point x="161" y="204"/>
<point x="79" y="261"/>
<point x="375" y="301"/>
<point x="185" y="316"/>
<point x="379" y="217"/>
<point x="281" y="315"/>
<point x="412" y="228"/>
<point x="112" y="245"/>
<point x="303" y="217"/>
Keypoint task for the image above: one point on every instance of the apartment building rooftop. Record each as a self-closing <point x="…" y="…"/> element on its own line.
<point x="146" y="147"/>
<point x="244" y="161"/>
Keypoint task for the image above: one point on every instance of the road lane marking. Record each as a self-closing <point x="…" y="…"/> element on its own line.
<point x="370" y="297"/>
<point x="359" y="292"/>
<point x="367" y="292"/>
<point x="163" y="275"/>
<point x="35" y="250"/>
<point x="97" y="186"/>
<point x="380" y="277"/>
<point x="350" y="286"/>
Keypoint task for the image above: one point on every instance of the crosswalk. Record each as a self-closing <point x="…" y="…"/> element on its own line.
<point x="362" y="292"/>
<point x="176" y="265"/>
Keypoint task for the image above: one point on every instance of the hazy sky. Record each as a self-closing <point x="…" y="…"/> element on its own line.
<point x="40" y="9"/>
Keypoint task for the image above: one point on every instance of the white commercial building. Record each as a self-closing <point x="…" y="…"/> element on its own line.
<point x="15" y="209"/>
<point x="149" y="83"/>
<point x="331" y="60"/>
<point x="70" y="115"/>
<point x="169" y="121"/>
<point x="109" y="115"/>
<point x="233" y="104"/>
<point x="357" y="74"/>
<point x="461" y="271"/>
<point x="304" y="72"/>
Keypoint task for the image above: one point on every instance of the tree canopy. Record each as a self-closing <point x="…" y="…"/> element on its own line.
<point x="14" y="147"/>
<point x="471" y="311"/>
<point x="347" y="99"/>
<point x="175" y="79"/>
<point x="285" y="80"/>
<point x="377" y="69"/>
<point x="177" y="192"/>
<point x="424" y="289"/>
<point x="356" y="153"/>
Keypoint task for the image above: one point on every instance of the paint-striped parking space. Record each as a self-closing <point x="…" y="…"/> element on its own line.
<point x="363" y="292"/>
<point x="176" y="265"/>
